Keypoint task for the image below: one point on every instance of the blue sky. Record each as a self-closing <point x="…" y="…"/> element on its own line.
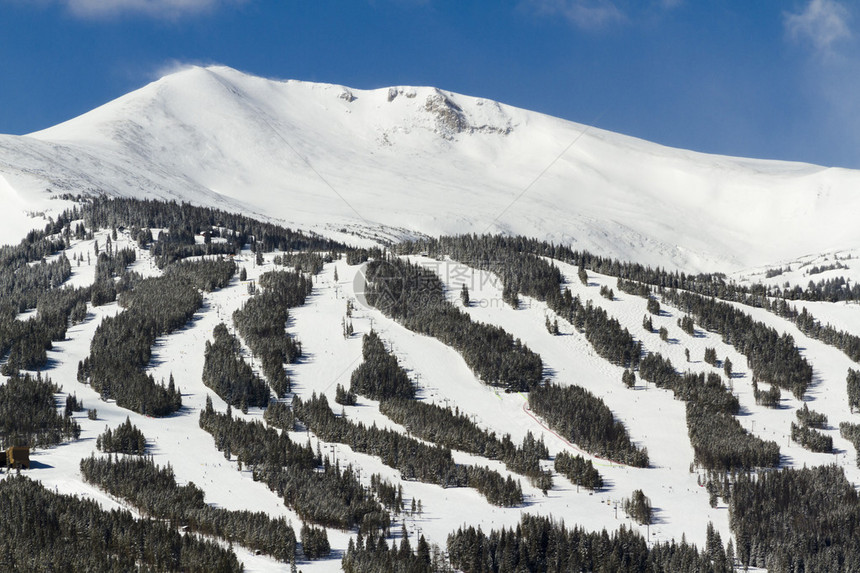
<point x="770" y="78"/>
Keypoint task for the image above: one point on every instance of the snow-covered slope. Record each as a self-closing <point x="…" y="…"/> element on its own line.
<point x="403" y="161"/>
<point x="653" y="417"/>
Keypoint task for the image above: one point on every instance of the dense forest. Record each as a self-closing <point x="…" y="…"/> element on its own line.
<point x="29" y="416"/>
<point x="25" y="342"/>
<point x="638" y="507"/>
<point x="852" y="382"/>
<point x="153" y="491"/>
<point x="541" y="544"/>
<point x="585" y="420"/>
<point x="124" y="439"/>
<point x="379" y="376"/>
<point x="65" y="533"/>
<point x="578" y="470"/>
<point x="796" y="520"/>
<point x="280" y="415"/>
<point x="229" y="375"/>
<point x="805" y="431"/>
<point x="21" y="282"/>
<point x="720" y="442"/>
<point x="311" y="263"/>
<point x="851" y="432"/>
<point x="372" y="554"/>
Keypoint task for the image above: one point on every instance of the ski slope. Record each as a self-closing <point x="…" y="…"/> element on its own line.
<point x="653" y="417"/>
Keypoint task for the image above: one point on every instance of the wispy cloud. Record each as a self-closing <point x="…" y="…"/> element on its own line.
<point x="161" y="9"/>
<point x="586" y="14"/>
<point x="821" y="23"/>
<point x="830" y="78"/>
<point x="599" y="14"/>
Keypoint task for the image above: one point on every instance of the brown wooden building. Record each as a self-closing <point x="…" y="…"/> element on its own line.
<point x="18" y="456"/>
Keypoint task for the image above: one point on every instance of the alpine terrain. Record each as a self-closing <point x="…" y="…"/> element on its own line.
<point x="258" y="325"/>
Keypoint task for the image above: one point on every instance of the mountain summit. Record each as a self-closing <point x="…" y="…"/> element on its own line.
<point x="403" y="161"/>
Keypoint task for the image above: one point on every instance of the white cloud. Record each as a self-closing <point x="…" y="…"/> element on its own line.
<point x="822" y="23"/>
<point x="163" y="9"/>
<point x="599" y="14"/>
<point x="588" y="14"/>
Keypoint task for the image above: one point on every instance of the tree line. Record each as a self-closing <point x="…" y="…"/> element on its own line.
<point x="415" y="297"/>
<point x="152" y="490"/>
<point x="57" y="532"/>
<point x="542" y="544"/>
<point x="29" y="416"/>
<point x="227" y="373"/>
<point x="586" y="420"/>
<point x="262" y="323"/>
<point x="122" y="345"/>
<point x="381" y="377"/>
<point x="414" y="459"/>
<point x="185" y="221"/>
<point x="803" y="519"/>
<point x="332" y="497"/>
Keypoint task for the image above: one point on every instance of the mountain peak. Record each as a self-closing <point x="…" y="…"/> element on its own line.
<point x="405" y="160"/>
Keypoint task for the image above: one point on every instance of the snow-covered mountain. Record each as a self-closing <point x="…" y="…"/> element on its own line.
<point x="397" y="162"/>
<point x="403" y="161"/>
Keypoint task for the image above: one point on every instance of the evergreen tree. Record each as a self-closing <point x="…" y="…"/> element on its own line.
<point x="638" y="506"/>
<point x="315" y="543"/>
<point x="126" y="439"/>
<point x="647" y="324"/>
<point x="853" y="383"/>
<point x="653" y="306"/>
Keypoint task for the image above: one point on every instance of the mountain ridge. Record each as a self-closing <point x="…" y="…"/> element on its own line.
<point x="405" y="161"/>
